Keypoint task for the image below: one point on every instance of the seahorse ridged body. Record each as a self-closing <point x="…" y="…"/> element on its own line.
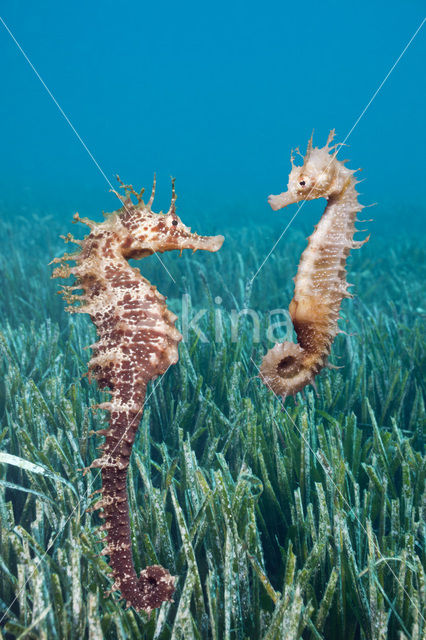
<point x="137" y="342"/>
<point x="320" y="283"/>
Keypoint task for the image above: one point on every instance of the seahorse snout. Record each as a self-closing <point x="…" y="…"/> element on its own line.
<point x="196" y="242"/>
<point x="282" y="200"/>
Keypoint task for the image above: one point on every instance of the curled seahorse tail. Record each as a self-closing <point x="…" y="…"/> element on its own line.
<point x="155" y="584"/>
<point x="284" y="369"/>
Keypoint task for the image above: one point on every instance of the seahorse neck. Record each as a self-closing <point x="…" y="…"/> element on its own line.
<point x="338" y="215"/>
<point x="345" y="201"/>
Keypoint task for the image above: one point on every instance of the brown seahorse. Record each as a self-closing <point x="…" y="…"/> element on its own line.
<point x="137" y="342"/>
<point x="320" y="283"/>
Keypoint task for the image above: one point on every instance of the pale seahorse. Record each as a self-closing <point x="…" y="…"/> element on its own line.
<point x="320" y="283"/>
<point x="138" y="341"/>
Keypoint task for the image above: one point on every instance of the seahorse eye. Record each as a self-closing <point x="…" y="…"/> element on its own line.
<point x="174" y="222"/>
<point x="302" y="183"/>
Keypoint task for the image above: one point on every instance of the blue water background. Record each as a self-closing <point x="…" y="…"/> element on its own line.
<point x="215" y="94"/>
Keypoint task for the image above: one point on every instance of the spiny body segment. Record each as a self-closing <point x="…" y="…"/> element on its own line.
<point x="137" y="342"/>
<point x="320" y="283"/>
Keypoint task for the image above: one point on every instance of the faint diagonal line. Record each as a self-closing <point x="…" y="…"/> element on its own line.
<point x="340" y="144"/>
<point x="327" y="473"/>
<point x="383" y="81"/>
<point x="273" y="248"/>
<point x="84" y="145"/>
<point x="94" y="478"/>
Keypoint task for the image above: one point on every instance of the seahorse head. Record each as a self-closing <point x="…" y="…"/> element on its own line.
<point x="149" y="232"/>
<point x="320" y="176"/>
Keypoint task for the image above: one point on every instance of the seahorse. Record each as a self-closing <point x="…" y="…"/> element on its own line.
<point x="138" y="342"/>
<point x="320" y="283"/>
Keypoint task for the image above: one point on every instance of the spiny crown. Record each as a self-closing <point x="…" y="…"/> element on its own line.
<point x="320" y="176"/>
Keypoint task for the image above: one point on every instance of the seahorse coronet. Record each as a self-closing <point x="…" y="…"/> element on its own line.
<point x="320" y="283"/>
<point x="137" y="343"/>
